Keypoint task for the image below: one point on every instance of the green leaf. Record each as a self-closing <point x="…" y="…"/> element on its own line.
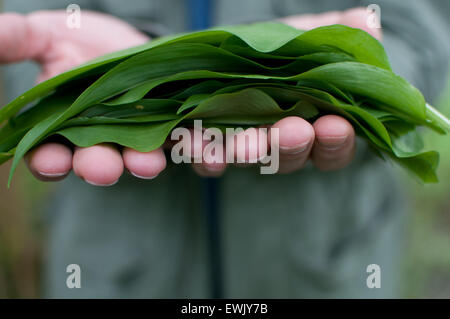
<point x="365" y="48"/>
<point x="373" y="83"/>
<point x="6" y="156"/>
<point x="141" y="137"/>
<point x="229" y="76"/>
<point x="422" y="166"/>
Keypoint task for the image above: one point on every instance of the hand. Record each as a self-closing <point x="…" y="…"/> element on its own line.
<point x="44" y="37"/>
<point x="355" y="18"/>
<point x="330" y="142"/>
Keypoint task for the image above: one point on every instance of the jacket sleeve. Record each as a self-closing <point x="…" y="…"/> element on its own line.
<point x="414" y="35"/>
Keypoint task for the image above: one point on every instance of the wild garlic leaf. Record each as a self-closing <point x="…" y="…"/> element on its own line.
<point x="231" y="76"/>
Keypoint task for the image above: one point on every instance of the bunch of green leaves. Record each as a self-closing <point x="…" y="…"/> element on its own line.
<point x="232" y="76"/>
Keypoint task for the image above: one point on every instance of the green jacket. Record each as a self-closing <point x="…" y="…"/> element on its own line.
<point x="308" y="234"/>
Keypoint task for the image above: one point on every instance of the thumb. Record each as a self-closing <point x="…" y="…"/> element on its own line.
<point x="358" y="18"/>
<point x="19" y="39"/>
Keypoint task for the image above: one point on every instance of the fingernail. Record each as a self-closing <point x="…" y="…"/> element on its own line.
<point x="52" y="175"/>
<point x="332" y="143"/>
<point x="144" y="177"/>
<point x="296" y="149"/>
<point x="101" y="185"/>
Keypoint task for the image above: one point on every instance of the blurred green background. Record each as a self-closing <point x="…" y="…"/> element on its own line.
<point x="426" y="268"/>
<point x="428" y="264"/>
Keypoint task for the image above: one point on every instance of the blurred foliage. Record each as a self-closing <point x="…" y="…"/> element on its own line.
<point x="428" y="274"/>
<point x="21" y="233"/>
<point x="21" y="240"/>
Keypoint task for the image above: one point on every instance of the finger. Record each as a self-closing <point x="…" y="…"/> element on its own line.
<point x="212" y="165"/>
<point x="144" y="165"/>
<point x="20" y="39"/>
<point x="355" y="18"/>
<point x="50" y="162"/>
<point x="208" y="154"/>
<point x="296" y="138"/>
<point x="335" y="143"/>
<point x="99" y="165"/>
<point x="209" y="170"/>
<point x="250" y="145"/>
<point x="358" y="18"/>
<point x="63" y="57"/>
<point x="311" y="21"/>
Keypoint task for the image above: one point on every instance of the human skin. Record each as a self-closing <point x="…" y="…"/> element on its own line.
<point x="43" y="37"/>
